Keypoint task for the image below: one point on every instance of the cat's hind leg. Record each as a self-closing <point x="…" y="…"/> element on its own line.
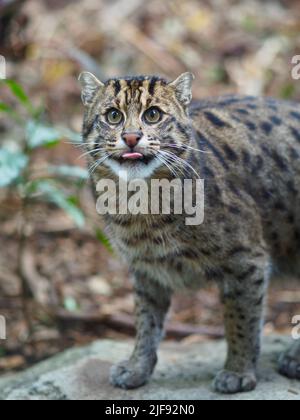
<point x="289" y="362"/>
<point x="243" y="295"/>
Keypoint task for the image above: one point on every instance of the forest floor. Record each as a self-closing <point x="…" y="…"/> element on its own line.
<point x="82" y="292"/>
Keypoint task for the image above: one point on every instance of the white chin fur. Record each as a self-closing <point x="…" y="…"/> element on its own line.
<point x="136" y="171"/>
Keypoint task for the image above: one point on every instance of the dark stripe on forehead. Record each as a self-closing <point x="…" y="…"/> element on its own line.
<point x="138" y="97"/>
<point x="152" y="85"/>
<point x="117" y="86"/>
<point x="132" y="91"/>
<point x="126" y="97"/>
<point x="137" y="81"/>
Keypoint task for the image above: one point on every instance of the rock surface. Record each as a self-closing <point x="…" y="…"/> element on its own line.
<point x="185" y="371"/>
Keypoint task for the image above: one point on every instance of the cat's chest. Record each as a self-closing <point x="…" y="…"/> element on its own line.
<point x="163" y="254"/>
<point x="146" y="243"/>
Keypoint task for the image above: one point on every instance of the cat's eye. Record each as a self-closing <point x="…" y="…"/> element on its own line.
<point x="153" y="115"/>
<point x="114" y="116"/>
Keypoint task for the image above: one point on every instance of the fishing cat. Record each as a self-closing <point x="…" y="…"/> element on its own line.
<point x="247" y="149"/>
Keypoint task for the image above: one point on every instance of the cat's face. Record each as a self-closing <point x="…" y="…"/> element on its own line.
<point x="134" y="126"/>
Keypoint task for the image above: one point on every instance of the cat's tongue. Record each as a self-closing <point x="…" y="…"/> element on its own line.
<point x="132" y="156"/>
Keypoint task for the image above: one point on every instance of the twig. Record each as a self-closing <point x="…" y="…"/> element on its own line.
<point x="124" y="322"/>
<point x="25" y="290"/>
<point x="39" y="286"/>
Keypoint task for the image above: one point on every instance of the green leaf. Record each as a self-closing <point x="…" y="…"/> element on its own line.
<point x="217" y="74"/>
<point x="10" y="111"/>
<point x="41" y="135"/>
<point x="54" y="194"/>
<point x="102" y="238"/>
<point x="287" y="91"/>
<point x="19" y="93"/>
<point x="75" y="200"/>
<point x="5" y="108"/>
<point x="69" y="172"/>
<point x="11" y="166"/>
<point x="71" y="304"/>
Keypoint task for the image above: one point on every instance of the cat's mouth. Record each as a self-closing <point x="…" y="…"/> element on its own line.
<point x="133" y="158"/>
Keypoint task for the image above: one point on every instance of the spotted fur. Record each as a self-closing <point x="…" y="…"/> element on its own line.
<point x="247" y="149"/>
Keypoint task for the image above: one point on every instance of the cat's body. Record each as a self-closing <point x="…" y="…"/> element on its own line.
<point x="248" y="151"/>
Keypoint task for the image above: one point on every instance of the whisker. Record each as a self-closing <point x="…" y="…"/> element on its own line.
<point x="90" y="152"/>
<point x="161" y="159"/>
<point x="191" y="167"/>
<point x="76" y="143"/>
<point x="185" y="146"/>
<point x="176" y="165"/>
<point x="182" y="161"/>
<point x="98" y="163"/>
<point x="169" y="160"/>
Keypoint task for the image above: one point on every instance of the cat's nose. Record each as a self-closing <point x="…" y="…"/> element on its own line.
<point x="132" y="138"/>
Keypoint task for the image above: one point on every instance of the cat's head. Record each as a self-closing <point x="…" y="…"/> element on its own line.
<point x="136" y="125"/>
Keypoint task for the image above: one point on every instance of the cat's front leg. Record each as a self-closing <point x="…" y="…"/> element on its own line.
<point x="243" y="296"/>
<point x="152" y="304"/>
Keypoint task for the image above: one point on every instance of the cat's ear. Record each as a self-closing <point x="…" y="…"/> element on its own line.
<point x="183" y="87"/>
<point x="90" y="86"/>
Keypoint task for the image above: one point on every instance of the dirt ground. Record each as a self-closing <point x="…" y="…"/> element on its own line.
<point x="82" y="292"/>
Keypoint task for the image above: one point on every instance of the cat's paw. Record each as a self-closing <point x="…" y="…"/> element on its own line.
<point x="129" y="375"/>
<point x="289" y="366"/>
<point x="228" y="382"/>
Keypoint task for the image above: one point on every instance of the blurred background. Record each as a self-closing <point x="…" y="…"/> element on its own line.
<point x="60" y="284"/>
